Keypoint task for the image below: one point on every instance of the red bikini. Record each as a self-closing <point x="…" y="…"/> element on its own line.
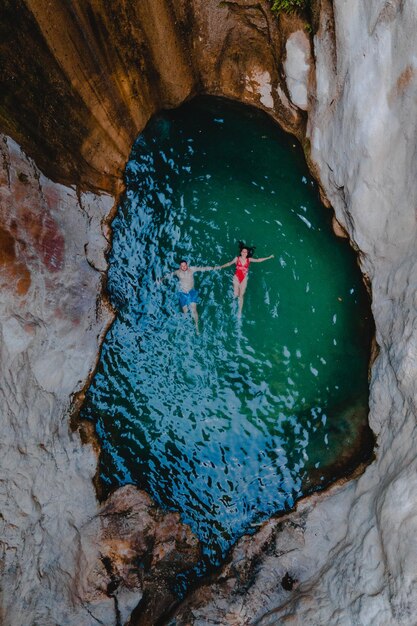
<point x="242" y="269"/>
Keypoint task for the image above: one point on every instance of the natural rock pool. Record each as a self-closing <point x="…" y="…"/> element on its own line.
<point x="233" y="425"/>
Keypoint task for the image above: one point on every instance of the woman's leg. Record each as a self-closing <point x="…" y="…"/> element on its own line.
<point x="240" y="294"/>
<point x="236" y="287"/>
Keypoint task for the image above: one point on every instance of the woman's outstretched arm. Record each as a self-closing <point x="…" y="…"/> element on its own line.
<point x="266" y="258"/>
<point x="220" y="267"/>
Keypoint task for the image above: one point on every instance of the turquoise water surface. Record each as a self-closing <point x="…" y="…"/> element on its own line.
<point x="235" y="424"/>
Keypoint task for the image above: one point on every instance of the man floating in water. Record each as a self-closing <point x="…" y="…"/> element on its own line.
<point x="187" y="294"/>
<point x="240" y="278"/>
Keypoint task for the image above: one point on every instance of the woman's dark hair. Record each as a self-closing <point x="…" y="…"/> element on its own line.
<point x="250" y="249"/>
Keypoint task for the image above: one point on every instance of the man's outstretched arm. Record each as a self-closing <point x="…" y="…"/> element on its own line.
<point x="208" y="268"/>
<point x="166" y="277"/>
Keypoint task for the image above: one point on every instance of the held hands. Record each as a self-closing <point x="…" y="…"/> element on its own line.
<point x="159" y="281"/>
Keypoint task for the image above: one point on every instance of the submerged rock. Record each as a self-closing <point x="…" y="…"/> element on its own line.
<point x="141" y="551"/>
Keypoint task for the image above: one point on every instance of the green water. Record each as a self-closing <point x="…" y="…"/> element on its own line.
<point x="235" y="424"/>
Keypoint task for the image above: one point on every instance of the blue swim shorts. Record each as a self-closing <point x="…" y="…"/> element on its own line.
<point x="187" y="298"/>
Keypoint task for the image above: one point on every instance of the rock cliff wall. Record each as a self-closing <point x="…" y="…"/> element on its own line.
<point x="80" y="80"/>
<point x="89" y="76"/>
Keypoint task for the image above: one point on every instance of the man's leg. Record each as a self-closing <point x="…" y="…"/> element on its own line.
<point x="194" y="313"/>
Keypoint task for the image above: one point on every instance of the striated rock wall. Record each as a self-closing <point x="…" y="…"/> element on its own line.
<point x="363" y="138"/>
<point x="89" y="76"/>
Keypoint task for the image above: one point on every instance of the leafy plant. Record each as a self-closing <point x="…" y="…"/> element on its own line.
<point x="289" y="6"/>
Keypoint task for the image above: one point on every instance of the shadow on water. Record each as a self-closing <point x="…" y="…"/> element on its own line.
<point x="233" y="425"/>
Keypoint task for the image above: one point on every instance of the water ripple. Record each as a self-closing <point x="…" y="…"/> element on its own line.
<point x="227" y="427"/>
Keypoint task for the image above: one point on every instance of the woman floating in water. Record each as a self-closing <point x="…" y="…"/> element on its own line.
<point x="240" y="278"/>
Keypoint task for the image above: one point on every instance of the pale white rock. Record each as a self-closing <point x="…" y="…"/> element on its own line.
<point x="297" y="67"/>
<point x="15" y="337"/>
<point x="54" y="534"/>
<point x="49" y="343"/>
<point x="98" y="209"/>
<point x="258" y="81"/>
<point x="127" y="601"/>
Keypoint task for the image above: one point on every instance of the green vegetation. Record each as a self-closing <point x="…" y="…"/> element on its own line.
<point x="289" y="6"/>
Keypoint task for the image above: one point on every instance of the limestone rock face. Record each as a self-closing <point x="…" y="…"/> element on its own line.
<point x="297" y="66"/>
<point x="51" y="325"/>
<point x="89" y="77"/>
<point x="363" y="137"/>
